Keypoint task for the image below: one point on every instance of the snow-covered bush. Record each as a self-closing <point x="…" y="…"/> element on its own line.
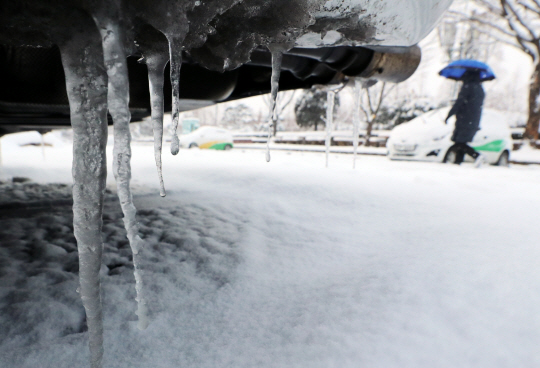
<point x="237" y="117"/>
<point x="393" y="115"/>
<point x="310" y="108"/>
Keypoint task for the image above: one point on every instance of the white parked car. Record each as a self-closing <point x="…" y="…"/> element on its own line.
<point x="208" y="137"/>
<point x="427" y="138"/>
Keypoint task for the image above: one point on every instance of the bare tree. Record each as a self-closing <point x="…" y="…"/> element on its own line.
<point x="463" y="40"/>
<point x="237" y="116"/>
<point x="371" y="100"/>
<point x="516" y="23"/>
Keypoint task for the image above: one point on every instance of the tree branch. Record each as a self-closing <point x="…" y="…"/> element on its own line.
<point x="467" y="18"/>
<point x="284" y="105"/>
<point x="521" y="40"/>
<point x="523" y="43"/>
<point x="522" y="47"/>
<point x="529" y="7"/>
<point x="369" y="104"/>
<point x="490" y="7"/>
<point x="389" y="89"/>
<point x="366" y="113"/>
<point x="508" y="4"/>
<point x="381" y="98"/>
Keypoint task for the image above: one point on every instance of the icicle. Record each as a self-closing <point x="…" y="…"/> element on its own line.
<point x="277" y="57"/>
<point x="175" y="51"/>
<point x="118" y="100"/>
<point x="156" y="64"/>
<point x="356" y="117"/>
<point x="330" y="97"/>
<point x="86" y="84"/>
<point x="42" y="146"/>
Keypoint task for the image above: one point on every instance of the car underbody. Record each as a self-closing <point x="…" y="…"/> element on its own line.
<point x="325" y="44"/>
<point x="33" y="91"/>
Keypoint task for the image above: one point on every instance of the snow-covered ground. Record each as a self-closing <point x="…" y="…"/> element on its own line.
<point x="526" y="154"/>
<point x="280" y="264"/>
<point x="362" y="150"/>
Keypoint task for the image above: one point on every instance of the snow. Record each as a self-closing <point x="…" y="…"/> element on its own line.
<point x="393" y="264"/>
<point x="526" y="154"/>
<point x="393" y="22"/>
<point x="379" y="151"/>
<point x="310" y="135"/>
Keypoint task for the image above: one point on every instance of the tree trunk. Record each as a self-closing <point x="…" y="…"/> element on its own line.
<point x="531" y="130"/>
<point x="368" y="134"/>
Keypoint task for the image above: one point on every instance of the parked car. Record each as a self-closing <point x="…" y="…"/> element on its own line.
<point x="427" y="138"/>
<point x="208" y="137"/>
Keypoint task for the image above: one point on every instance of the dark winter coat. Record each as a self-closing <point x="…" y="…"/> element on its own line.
<point x="468" y="110"/>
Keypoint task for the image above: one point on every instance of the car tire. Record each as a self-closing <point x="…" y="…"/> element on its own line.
<point x="227" y="147"/>
<point x="504" y="159"/>
<point x="193" y="145"/>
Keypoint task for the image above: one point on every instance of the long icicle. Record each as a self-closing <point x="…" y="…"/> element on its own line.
<point x="156" y="62"/>
<point x="356" y="117"/>
<point x="277" y="58"/>
<point x="86" y="84"/>
<point x="330" y="97"/>
<point x="175" y="51"/>
<point x="118" y="100"/>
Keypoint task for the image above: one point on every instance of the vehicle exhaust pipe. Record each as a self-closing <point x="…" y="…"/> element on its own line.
<point x="392" y="67"/>
<point x="386" y="64"/>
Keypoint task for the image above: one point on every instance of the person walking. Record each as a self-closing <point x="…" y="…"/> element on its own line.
<point x="468" y="110"/>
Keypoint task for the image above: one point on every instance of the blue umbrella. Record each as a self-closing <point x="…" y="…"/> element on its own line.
<point x="456" y="69"/>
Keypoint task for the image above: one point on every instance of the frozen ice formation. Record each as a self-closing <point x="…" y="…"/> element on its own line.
<point x="277" y="57"/>
<point x="95" y="36"/>
<point x="356" y="117"/>
<point x="86" y="81"/>
<point x="330" y="98"/>
<point x="155" y="55"/>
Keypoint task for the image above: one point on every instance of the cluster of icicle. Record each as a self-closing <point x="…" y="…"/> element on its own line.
<point x="95" y="37"/>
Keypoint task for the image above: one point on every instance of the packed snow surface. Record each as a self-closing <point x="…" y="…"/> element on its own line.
<point x="287" y="264"/>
